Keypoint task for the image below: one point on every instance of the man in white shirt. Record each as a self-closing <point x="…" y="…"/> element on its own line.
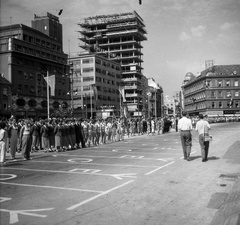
<point x="184" y="128"/>
<point x="203" y="127"/>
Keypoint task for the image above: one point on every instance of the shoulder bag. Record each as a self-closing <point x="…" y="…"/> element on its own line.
<point x="206" y="136"/>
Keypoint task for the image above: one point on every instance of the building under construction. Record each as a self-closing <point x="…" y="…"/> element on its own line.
<point x="119" y="37"/>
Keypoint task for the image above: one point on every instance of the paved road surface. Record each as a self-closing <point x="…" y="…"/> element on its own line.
<point x="142" y="180"/>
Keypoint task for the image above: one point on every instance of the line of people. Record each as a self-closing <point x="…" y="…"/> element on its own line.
<point x="28" y="135"/>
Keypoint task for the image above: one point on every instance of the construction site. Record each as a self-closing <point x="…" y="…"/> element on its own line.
<point x="119" y="37"/>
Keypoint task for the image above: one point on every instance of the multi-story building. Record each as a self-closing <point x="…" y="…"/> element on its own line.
<point x="5" y="97"/>
<point x="95" y="86"/>
<point x="155" y="99"/>
<point x="119" y="36"/>
<point x="215" y="92"/>
<point x="27" y="55"/>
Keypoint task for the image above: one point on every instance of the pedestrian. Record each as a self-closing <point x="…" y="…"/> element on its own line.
<point x="3" y="140"/>
<point x="203" y="127"/>
<point x="185" y="127"/>
<point x="26" y="140"/>
<point x="13" y="137"/>
<point x="35" y="130"/>
<point x="58" y="136"/>
<point x="44" y="132"/>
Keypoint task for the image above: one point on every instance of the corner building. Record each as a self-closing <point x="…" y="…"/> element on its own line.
<point x="26" y="53"/>
<point x="119" y="36"/>
<point x="215" y="92"/>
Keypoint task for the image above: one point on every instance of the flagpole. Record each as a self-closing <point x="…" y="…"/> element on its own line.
<point x="91" y="101"/>
<point x="155" y="103"/>
<point x="120" y="103"/>
<point x="48" y="95"/>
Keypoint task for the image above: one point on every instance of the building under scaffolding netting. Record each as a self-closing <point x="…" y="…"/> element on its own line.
<point x="119" y="37"/>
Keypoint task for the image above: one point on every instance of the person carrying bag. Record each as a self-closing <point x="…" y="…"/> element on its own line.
<point x="203" y="127"/>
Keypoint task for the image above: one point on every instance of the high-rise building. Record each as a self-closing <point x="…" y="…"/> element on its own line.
<point x="27" y="55"/>
<point x="119" y="36"/>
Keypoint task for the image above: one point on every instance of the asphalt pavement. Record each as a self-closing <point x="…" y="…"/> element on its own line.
<point x="141" y="180"/>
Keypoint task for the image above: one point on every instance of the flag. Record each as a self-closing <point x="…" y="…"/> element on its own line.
<point x="231" y="103"/>
<point x="51" y="83"/>
<point x="122" y="92"/>
<point x="94" y="89"/>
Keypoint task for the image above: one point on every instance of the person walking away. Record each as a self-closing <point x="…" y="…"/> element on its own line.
<point x="185" y="127"/>
<point x="203" y="127"/>
<point x="3" y="140"/>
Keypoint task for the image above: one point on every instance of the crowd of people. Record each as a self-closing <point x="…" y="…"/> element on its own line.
<point x="28" y="135"/>
<point x="63" y="134"/>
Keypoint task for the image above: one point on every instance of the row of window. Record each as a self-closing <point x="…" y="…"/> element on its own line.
<point x="213" y="94"/>
<point x="212" y="84"/>
<point x="38" y="53"/>
<point x="77" y="63"/>
<point x="41" y="43"/>
<point x="213" y="105"/>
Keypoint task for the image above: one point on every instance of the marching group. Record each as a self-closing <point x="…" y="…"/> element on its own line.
<point x="28" y="136"/>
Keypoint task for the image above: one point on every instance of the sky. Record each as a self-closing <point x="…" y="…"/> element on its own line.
<point x="182" y="34"/>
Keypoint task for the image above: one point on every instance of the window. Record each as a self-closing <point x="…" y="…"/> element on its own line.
<point x="88" y="70"/>
<point x="228" y="83"/>
<point x="85" y="61"/>
<point x="5" y="92"/>
<point x="86" y="79"/>
<point x="236" y="94"/>
<point x="220" y="104"/>
<point x="236" y="104"/>
<point x="213" y="104"/>
<point x="220" y="95"/>
<point x="86" y="88"/>
<point x="20" y="87"/>
<point x="31" y="76"/>
<point x="32" y="89"/>
<point x="219" y="83"/>
<point x="236" y="83"/>
<point x="228" y="94"/>
<point x="212" y="94"/>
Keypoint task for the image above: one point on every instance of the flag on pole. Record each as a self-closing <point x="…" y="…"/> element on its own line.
<point x="95" y="92"/>
<point x="51" y="83"/>
<point x="122" y="92"/>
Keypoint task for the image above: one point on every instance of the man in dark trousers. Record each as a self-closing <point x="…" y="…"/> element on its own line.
<point x="79" y="134"/>
<point x="184" y="128"/>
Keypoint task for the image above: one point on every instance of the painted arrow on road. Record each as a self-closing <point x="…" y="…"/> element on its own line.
<point x="14" y="213"/>
<point x="126" y="175"/>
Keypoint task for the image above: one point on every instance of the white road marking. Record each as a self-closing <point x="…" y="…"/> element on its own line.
<point x="51" y="187"/>
<point x="3" y="199"/>
<point x="91" y="171"/>
<point x="159" y="168"/>
<point x="14" y="213"/>
<point x="10" y="176"/>
<point x="84" y="160"/>
<point x="99" y="195"/>
<point x="82" y="172"/>
<point x="95" y="164"/>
